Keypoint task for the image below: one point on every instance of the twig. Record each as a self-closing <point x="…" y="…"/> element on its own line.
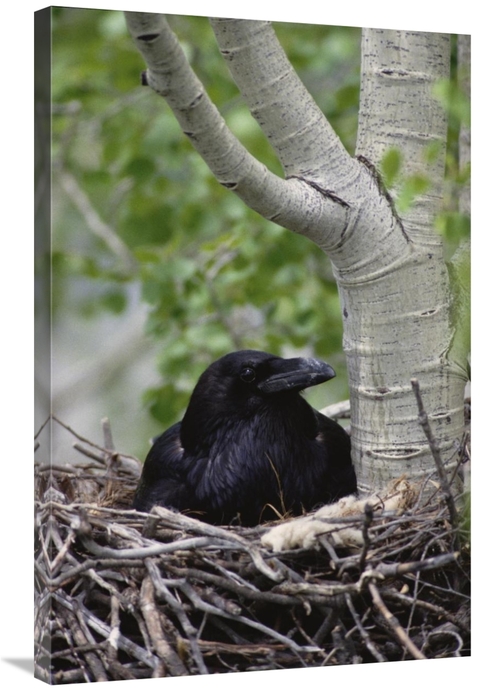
<point x="189" y="629"/>
<point x="75" y="434"/>
<point x="327" y="545"/>
<point x="242" y="589"/>
<point x="436" y="454"/>
<point x="411" y="567"/>
<point x="128" y="463"/>
<point x="394" y="624"/>
<point x="92" y="659"/>
<point x="108" y="437"/>
<point x="337" y="410"/>
<point x="192" y="524"/>
<point x="62" y="554"/>
<point x="114" y="634"/>
<point x="153" y="550"/>
<point x="220" y="601"/>
<point x="441" y="612"/>
<point x="230" y="575"/>
<point x="327" y="590"/>
<point x="152" y="618"/>
<point x="210" y="609"/>
<point x="88" y="441"/>
<point x="328" y="623"/>
<point x="104" y="630"/>
<point x="303" y="632"/>
<point x="94" y="222"/>
<point x="368" y="519"/>
<point x="443" y="635"/>
<point x="363" y="632"/>
<point x="150" y="525"/>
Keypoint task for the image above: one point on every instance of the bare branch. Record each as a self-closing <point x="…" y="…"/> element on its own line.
<point x="394" y="624"/>
<point x="152" y="618"/>
<point x="298" y="131"/>
<point x="364" y="634"/>
<point x="195" y="598"/>
<point x="436" y="454"/>
<point x="94" y="222"/>
<point x="292" y="203"/>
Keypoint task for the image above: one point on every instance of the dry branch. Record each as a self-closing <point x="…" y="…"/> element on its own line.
<point x="127" y="595"/>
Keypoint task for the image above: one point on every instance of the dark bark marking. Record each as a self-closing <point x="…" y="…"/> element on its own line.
<point x="147" y="38"/>
<point x="383" y="191"/>
<point x="326" y="193"/>
<point x="398" y="73"/>
<point x="195" y="101"/>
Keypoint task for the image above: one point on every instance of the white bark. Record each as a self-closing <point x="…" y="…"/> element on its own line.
<point x="292" y="204"/>
<point x="298" y="131"/>
<point x="390" y="272"/>
<point x="401" y="326"/>
<point x="397" y="109"/>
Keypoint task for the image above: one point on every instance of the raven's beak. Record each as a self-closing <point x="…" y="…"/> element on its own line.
<point x="296" y="374"/>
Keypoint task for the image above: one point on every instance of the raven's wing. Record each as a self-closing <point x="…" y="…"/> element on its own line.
<point x="336" y="443"/>
<point x="163" y="480"/>
<point x="255" y="472"/>
<point x="245" y="471"/>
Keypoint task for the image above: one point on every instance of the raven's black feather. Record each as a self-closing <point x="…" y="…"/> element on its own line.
<point x="249" y="442"/>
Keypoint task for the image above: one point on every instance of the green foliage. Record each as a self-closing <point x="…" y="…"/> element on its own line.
<point x="454" y="96"/>
<point x="459" y="269"/>
<point x="214" y="275"/>
<point x="390" y="166"/>
<point x="408" y="187"/>
<point x="452" y="223"/>
<point x="453" y="100"/>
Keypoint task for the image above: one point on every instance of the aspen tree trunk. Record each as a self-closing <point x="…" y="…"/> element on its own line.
<point x="401" y="326"/>
<point x="393" y="282"/>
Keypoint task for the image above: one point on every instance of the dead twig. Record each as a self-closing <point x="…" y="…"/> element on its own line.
<point x="152" y="618"/>
<point x="163" y="591"/>
<point x="125" y="595"/>
<point x="436" y="454"/>
<point x="394" y="624"/>
<point x="368" y="519"/>
<point x="364" y="633"/>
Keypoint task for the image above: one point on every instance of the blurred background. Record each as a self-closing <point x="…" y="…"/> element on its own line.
<point x="156" y="269"/>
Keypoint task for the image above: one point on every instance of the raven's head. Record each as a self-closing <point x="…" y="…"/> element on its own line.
<point x="240" y="383"/>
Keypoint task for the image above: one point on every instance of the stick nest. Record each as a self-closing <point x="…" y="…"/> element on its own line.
<point x="127" y="595"/>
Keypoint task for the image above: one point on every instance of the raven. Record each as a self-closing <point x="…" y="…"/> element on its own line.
<point x="249" y="447"/>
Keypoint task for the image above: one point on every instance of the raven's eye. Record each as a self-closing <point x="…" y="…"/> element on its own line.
<point x="247" y="374"/>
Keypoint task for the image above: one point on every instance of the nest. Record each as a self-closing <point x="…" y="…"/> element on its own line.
<point x="127" y="595"/>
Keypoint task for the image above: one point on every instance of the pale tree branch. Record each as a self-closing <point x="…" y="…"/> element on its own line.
<point x="94" y="221"/>
<point x="297" y="129"/>
<point x="293" y="203"/>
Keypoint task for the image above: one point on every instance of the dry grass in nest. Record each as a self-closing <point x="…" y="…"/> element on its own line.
<point x="127" y="595"/>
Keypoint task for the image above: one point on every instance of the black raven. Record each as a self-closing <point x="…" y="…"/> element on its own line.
<point x="249" y="447"/>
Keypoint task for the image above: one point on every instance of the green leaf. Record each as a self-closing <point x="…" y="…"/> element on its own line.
<point x="412" y="187"/>
<point x="390" y="166"/>
<point x="453" y="100"/>
<point x="460" y="278"/>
